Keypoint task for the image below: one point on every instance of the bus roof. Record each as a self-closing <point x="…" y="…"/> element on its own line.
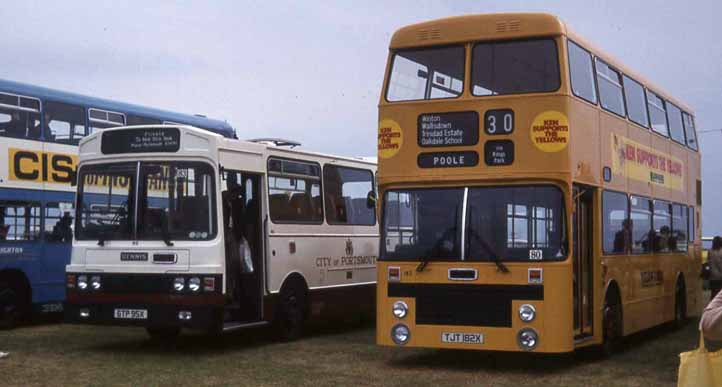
<point x="502" y="26"/>
<point x="221" y="127"/>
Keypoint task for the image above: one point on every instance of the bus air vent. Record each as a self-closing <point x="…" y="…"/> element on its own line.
<point x="430" y="34"/>
<point x="508" y="25"/>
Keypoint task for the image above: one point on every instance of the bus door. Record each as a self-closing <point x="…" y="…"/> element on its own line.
<point x="57" y="214"/>
<point x="582" y="226"/>
<point x="242" y="229"/>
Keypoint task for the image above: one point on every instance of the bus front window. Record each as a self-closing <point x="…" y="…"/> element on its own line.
<point x="530" y="66"/>
<point x="523" y="223"/>
<point x="422" y="224"/>
<point x="515" y="224"/>
<point x="105" y="201"/>
<point x="429" y="73"/>
<point x="176" y="201"/>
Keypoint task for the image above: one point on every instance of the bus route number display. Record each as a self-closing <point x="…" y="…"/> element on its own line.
<point x="448" y="129"/>
<point x="141" y="140"/>
<point x="500" y="121"/>
<point x="498" y="152"/>
<point x="448" y="159"/>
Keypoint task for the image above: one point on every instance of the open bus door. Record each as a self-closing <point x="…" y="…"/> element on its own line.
<point x="242" y="229"/>
<point x="583" y="237"/>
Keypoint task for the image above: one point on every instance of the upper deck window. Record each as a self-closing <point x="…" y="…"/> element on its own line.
<point x="19" y="116"/>
<point x="634" y="93"/>
<point x="674" y="117"/>
<point x="64" y="123"/>
<point x="657" y="114"/>
<point x="530" y="66"/>
<point x="610" y="88"/>
<point x="101" y="119"/>
<point x="689" y="130"/>
<point x="429" y="73"/>
<point x="582" y="73"/>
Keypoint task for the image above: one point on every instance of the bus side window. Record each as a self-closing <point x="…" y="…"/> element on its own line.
<point x="582" y="74"/>
<point x="59" y="222"/>
<point x="294" y="191"/>
<point x="679" y="228"/>
<point x="18" y="116"/>
<point x="63" y="123"/>
<point x="139" y="120"/>
<point x="662" y="219"/>
<point x="616" y="226"/>
<point x="346" y="191"/>
<point x="19" y="221"/>
<point x="101" y="119"/>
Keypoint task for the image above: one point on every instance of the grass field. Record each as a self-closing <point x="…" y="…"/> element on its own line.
<point x="56" y="354"/>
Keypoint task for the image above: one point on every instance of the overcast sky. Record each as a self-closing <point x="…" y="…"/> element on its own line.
<point x="312" y="71"/>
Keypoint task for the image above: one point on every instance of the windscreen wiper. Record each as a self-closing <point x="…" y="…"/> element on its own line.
<point x="164" y="229"/>
<point x="500" y="266"/>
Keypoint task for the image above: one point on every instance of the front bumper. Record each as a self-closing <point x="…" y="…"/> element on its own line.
<point x="149" y="293"/>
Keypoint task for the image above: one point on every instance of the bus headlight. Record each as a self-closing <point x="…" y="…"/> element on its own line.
<point x="400" y="309"/>
<point x="194" y="284"/>
<point x="95" y="282"/>
<point x="400" y="334"/>
<point x="528" y="339"/>
<point x="527" y="312"/>
<point x="82" y="282"/>
<point x="179" y="284"/>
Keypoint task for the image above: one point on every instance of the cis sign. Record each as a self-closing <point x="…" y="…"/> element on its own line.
<point x="37" y="166"/>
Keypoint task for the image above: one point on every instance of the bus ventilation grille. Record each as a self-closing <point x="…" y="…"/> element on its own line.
<point x="431" y="34"/>
<point x="508" y="25"/>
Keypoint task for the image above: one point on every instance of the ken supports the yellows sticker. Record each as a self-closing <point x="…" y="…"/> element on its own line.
<point x="390" y="138"/>
<point x="550" y="131"/>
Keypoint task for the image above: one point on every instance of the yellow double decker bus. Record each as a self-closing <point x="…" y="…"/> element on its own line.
<point x="537" y="195"/>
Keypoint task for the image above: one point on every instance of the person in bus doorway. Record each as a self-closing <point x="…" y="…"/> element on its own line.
<point x="714" y="258"/>
<point x="238" y="255"/>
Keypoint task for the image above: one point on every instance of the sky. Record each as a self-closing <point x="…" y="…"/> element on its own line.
<point x="312" y="71"/>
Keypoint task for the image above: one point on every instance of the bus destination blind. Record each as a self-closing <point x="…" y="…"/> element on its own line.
<point x="141" y="141"/>
<point x="448" y="129"/>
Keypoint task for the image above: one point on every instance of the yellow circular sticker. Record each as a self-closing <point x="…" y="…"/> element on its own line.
<point x="390" y="138"/>
<point x="550" y="131"/>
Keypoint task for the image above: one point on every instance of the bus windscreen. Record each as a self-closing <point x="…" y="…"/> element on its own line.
<point x="501" y="223"/>
<point x="429" y="73"/>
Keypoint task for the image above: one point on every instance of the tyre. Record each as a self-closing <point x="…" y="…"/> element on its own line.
<point x="10" y="306"/>
<point x="612" y="327"/>
<point x="680" y="305"/>
<point x="291" y="313"/>
<point x="163" y="334"/>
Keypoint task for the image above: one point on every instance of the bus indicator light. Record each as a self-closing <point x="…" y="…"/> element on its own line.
<point x="394" y="274"/>
<point x="209" y="284"/>
<point x="536" y="276"/>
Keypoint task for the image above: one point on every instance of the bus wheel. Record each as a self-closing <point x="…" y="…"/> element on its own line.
<point x="680" y="305"/>
<point x="291" y="313"/>
<point x="163" y="334"/>
<point x="10" y="308"/>
<point x="612" y="325"/>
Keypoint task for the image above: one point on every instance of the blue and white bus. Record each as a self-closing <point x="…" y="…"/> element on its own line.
<point x="39" y="132"/>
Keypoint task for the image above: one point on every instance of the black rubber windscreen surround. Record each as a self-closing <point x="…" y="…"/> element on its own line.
<point x="467" y="305"/>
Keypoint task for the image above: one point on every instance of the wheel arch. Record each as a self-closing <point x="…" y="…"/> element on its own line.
<point x="18" y="280"/>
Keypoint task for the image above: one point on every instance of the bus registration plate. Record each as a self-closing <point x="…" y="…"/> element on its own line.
<point x="131" y="314"/>
<point x="462" y="338"/>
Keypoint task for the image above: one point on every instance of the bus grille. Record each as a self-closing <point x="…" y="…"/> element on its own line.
<point x="469" y="305"/>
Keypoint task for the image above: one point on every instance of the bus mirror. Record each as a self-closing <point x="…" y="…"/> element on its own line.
<point x="371" y="199"/>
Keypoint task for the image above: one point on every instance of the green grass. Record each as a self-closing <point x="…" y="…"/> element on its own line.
<point x="56" y="354"/>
